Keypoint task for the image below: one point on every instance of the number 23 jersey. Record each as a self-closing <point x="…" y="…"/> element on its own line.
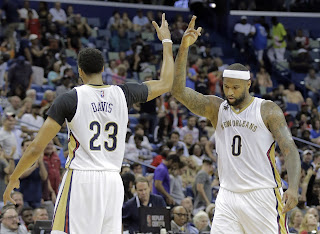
<point x="97" y="118"/>
<point x="246" y="149"/>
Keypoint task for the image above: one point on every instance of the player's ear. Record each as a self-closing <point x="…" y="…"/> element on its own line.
<point x="249" y="84"/>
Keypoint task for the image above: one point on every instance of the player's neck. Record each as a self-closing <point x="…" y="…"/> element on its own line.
<point x="94" y="80"/>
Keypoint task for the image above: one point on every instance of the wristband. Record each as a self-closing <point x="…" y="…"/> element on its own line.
<point x="166" y="40"/>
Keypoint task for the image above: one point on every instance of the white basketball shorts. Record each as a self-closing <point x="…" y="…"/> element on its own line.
<point x="257" y="211"/>
<point x="89" y="202"/>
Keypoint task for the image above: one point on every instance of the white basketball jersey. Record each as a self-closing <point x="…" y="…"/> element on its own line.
<point x="98" y="129"/>
<point x="245" y="147"/>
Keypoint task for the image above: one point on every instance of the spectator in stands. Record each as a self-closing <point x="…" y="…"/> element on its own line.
<point x="314" y="211"/>
<point x="126" y="22"/>
<point x="54" y="164"/>
<point x="180" y="222"/>
<point x="4" y="57"/>
<point x="32" y="24"/>
<point x="315" y="132"/>
<point x="32" y="94"/>
<point x="210" y="211"/>
<point x="163" y="130"/>
<point x="31" y="123"/>
<point x="128" y="182"/>
<point x="242" y="32"/>
<point x="73" y="38"/>
<point x="140" y="22"/>
<point x="264" y="80"/>
<point x="137" y="152"/>
<point x="31" y="180"/>
<point x="302" y="62"/>
<point x="10" y="221"/>
<point x="202" y="124"/>
<point x="136" y="169"/>
<point x="176" y="187"/>
<point x="315" y="162"/>
<point x="18" y="199"/>
<point x="8" y="138"/>
<point x="293" y="95"/>
<point x="302" y="39"/>
<point x="202" y="186"/>
<point x="6" y="168"/>
<point x="161" y="185"/>
<point x="54" y="75"/>
<point x="114" y="21"/>
<point x="178" y="32"/>
<point x="52" y="38"/>
<point x="259" y="40"/>
<point x="23" y="12"/>
<point x="20" y="77"/>
<point x="295" y="220"/>
<point x="120" y="40"/>
<point x="139" y="129"/>
<point x="178" y="145"/>
<point x="48" y="98"/>
<point x="84" y="29"/>
<point x="312" y="83"/>
<point x="125" y="168"/>
<point x="201" y="221"/>
<point x="70" y="15"/>
<point x="187" y="203"/>
<point x="40" y="213"/>
<point x="304" y="111"/>
<point x="313" y="190"/>
<point x="190" y="128"/>
<point x="197" y="155"/>
<point x="58" y="14"/>
<point x="309" y="224"/>
<point x="130" y="214"/>
<point x="10" y="7"/>
<point x="278" y="35"/>
<point x="306" y="159"/>
<point x="26" y="215"/>
<point x="43" y="11"/>
<point x="14" y="107"/>
<point x="38" y="52"/>
<point x="65" y="85"/>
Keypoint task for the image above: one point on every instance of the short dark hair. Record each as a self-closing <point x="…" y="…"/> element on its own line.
<point x="175" y="158"/>
<point x="26" y="209"/>
<point x="90" y="61"/>
<point x="237" y="67"/>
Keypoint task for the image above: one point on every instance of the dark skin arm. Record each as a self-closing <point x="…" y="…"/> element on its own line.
<point x="274" y="120"/>
<point x="198" y="103"/>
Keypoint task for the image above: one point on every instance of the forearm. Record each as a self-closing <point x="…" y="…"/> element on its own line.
<point x="161" y="189"/>
<point x="27" y="160"/>
<point x="158" y="87"/>
<point x="179" y="83"/>
<point x="293" y="167"/>
<point x="204" y="196"/>
<point x="43" y="171"/>
<point x="28" y="172"/>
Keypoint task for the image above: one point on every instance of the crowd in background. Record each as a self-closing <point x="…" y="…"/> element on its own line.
<point x="170" y="157"/>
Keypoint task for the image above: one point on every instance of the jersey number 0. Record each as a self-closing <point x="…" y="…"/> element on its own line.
<point x="95" y="126"/>
<point x="236" y="145"/>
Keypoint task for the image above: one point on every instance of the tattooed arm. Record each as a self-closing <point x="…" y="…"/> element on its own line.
<point x="199" y="104"/>
<point x="274" y="119"/>
<point x="158" y="87"/>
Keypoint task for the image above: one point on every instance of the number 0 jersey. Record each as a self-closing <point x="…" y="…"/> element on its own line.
<point x="245" y="147"/>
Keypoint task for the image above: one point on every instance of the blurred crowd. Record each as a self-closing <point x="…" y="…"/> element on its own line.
<point x="170" y="157"/>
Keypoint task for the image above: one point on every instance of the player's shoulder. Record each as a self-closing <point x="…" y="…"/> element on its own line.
<point x="270" y="111"/>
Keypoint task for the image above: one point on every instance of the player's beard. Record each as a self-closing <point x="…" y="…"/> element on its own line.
<point x="237" y="101"/>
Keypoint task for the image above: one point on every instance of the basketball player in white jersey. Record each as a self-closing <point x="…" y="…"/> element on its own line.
<point x="250" y="198"/>
<point x="91" y="194"/>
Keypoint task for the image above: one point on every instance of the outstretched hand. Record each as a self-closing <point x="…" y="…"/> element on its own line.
<point x="190" y="35"/>
<point x="290" y="199"/>
<point x="7" y="193"/>
<point x="162" y="32"/>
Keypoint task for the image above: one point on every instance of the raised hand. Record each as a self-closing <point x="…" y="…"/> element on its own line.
<point x="162" y="32"/>
<point x="190" y="35"/>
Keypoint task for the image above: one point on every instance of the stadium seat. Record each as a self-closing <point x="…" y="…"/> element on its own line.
<point x="47" y="87"/>
<point x="147" y="36"/>
<point x="105" y="33"/>
<point x="314" y="44"/>
<point x="298" y="78"/>
<point x="94" y="22"/>
<point x="292" y="108"/>
<point x="39" y="96"/>
<point x="36" y="87"/>
<point x="38" y="75"/>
